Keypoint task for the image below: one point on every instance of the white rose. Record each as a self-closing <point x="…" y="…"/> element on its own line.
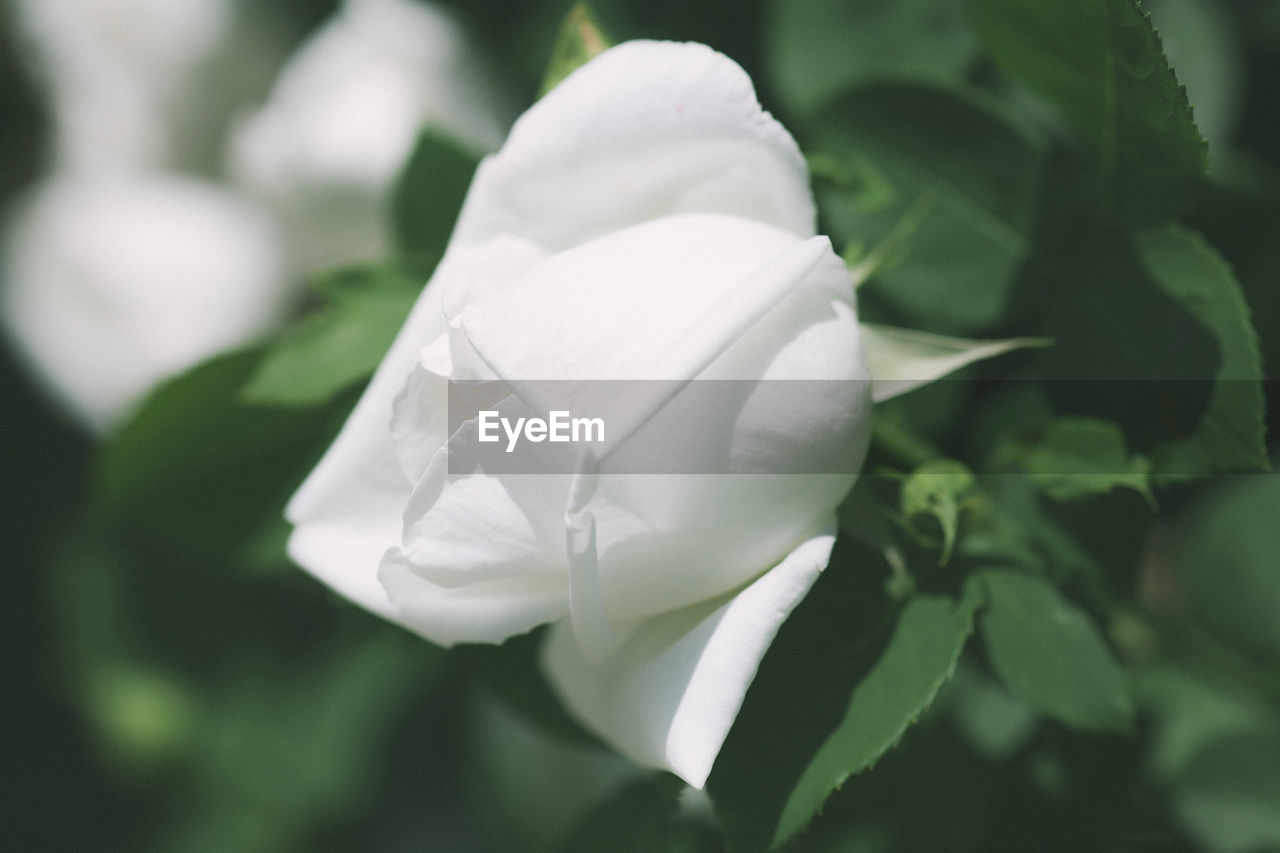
<point x="344" y="115"/>
<point x="112" y="283"/>
<point x="646" y="219"/>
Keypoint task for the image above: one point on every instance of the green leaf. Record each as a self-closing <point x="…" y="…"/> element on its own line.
<point x="1079" y="457"/>
<point x="1204" y="46"/>
<point x="297" y="742"/>
<point x="984" y="165"/>
<point x="1153" y="334"/>
<point x="978" y="182"/>
<point x="994" y="723"/>
<point x="1228" y="793"/>
<point x="830" y="643"/>
<point x="338" y="345"/>
<point x="938" y="488"/>
<point x="1101" y="65"/>
<point x="189" y="426"/>
<point x="1187" y="712"/>
<point x="1228" y="566"/>
<point x="820" y="47"/>
<point x="198" y="469"/>
<point x="580" y="39"/>
<point x="921" y="657"/>
<point x="428" y="197"/>
<point x="1017" y="532"/>
<point x="1239" y="218"/>
<point x="1231" y="434"/>
<point x="1050" y="654"/>
<point x="893" y="248"/>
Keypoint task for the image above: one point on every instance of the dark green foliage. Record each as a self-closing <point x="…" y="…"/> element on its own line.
<point x="1100" y="64"/>
<point x="428" y="197"/>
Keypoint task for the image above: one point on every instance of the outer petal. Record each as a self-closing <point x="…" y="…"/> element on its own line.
<point x="644" y="130"/>
<point x="487" y="612"/>
<point x="668" y="697"/>
<point x="348" y="511"/>
<point x="647" y="298"/>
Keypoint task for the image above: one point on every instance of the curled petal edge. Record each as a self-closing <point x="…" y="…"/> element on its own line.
<point x="669" y="694"/>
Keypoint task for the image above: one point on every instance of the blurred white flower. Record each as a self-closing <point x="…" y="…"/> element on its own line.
<point x="115" y="72"/>
<point x="112" y="283"/>
<point x="343" y="118"/>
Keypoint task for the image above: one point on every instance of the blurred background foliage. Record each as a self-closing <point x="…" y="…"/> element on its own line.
<point x="177" y="685"/>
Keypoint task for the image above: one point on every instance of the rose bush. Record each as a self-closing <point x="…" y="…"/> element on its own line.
<point x="645" y="220"/>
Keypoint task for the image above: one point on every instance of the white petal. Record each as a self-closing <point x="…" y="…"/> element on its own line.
<point x="644" y="130"/>
<point x="342" y="549"/>
<point x="114" y="283"/>
<point x="473" y="528"/>
<point x="484" y="612"/>
<point x="901" y="360"/>
<point x="613" y="307"/>
<point x="419" y="420"/>
<point x="482" y="554"/>
<point x="348" y="512"/>
<point x="653" y="528"/>
<point x="419" y="426"/>
<point x="668" y="697"/>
